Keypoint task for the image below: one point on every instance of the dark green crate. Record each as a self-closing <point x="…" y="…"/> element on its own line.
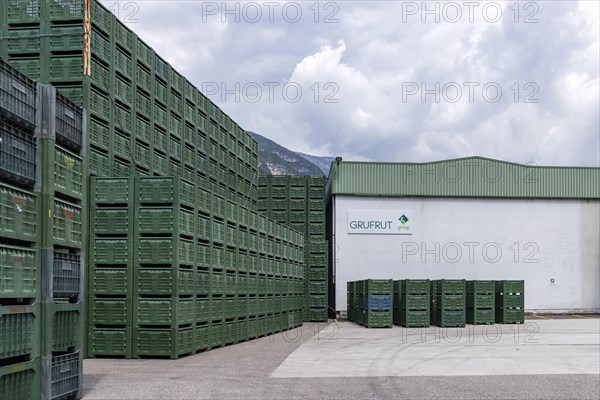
<point x="202" y="337"/>
<point x="510" y="316"/>
<point x="481" y="301"/>
<point x="203" y="309"/>
<point x="111" y="251"/>
<point x="18" y="272"/>
<point x="110" y="311"/>
<point x="510" y="301"/>
<point x="20" y="331"/>
<point x="216" y="335"/>
<point x="68" y="10"/>
<point x="510" y="287"/>
<point x="415" y="286"/>
<point x="412" y="319"/>
<point x="375" y="286"/>
<point x="378" y="319"/>
<point x="164" y="311"/>
<point x="21" y="381"/>
<point x="478" y="316"/>
<point x="111" y="221"/>
<point x="481" y="287"/>
<point x="163" y="342"/>
<point x="18" y="214"/>
<point x="317" y="287"/>
<point x="450" y="286"/>
<point x="162" y="281"/>
<point x="99" y="134"/>
<point x="450" y="302"/>
<point x="65" y="68"/>
<point x="317" y="314"/>
<point x="317" y="301"/>
<point x="450" y="318"/>
<point x="23" y="40"/>
<point x="413" y="302"/>
<point x="109" y="342"/>
<point x="110" y="281"/>
<point x="317" y="273"/>
<point x="18" y="96"/>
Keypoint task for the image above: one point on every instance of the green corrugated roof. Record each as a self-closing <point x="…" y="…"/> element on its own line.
<point x="463" y="177"/>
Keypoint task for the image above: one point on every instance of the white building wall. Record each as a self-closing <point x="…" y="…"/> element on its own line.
<point x="554" y="245"/>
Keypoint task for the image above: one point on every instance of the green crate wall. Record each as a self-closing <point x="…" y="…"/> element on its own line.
<point x="299" y="202"/>
<point x="208" y="301"/>
<point x="448" y="302"/>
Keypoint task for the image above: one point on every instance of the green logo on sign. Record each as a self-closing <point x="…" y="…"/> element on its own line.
<point x="403" y="219"/>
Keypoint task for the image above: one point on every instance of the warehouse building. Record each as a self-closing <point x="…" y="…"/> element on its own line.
<point x="471" y="218"/>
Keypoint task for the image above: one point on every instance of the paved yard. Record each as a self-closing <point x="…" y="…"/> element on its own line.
<point x="543" y="359"/>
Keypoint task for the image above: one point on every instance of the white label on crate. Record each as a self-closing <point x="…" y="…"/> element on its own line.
<point x="380" y="222"/>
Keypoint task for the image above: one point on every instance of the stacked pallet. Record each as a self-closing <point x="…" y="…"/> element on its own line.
<point x="371" y="302"/>
<point x="181" y="280"/>
<point x="480" y="302"/>
<point x="510" y="302"/>
<point x="448" y="297"/>
<point x="411" y="303"/>
<point x="299" y="202"/>
<point x="41" y="240"/>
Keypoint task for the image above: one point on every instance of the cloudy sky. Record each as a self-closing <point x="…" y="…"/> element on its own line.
<point x="393" y="80"/>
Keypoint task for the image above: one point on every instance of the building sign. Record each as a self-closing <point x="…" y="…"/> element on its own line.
<point x="380" y="222"/>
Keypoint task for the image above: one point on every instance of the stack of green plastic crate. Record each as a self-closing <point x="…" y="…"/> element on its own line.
<point x="110" y="272"/>
<point x="20" y="267"/>
<point x="510" y="302"/>
<point x="195" y="283"/>
<point x="448" y="302"/>
<point x="412" y="302"/>
<point x="373" y="303"/>
<point x="145" y="117"/>
<point x="350" y="300"/>
<point x="480" y="302"/>
<point x="299" y="202"/>
<point x="42" y="253"/>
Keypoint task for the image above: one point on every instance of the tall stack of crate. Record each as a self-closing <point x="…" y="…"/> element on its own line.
<point x="144" y="117"/>
<point x="350" y="300"/>
<point x="481" y="302"/>
<point x="299" y="202"/>
<point x="110" y="272"/>
<point x="181" y="279"/>
<point x="412" y="302"/>
<point x="510" y="302"/>
<point x="373" y="302"/>
<point x="20" y="268"/>
<point x="448" y="308"/>
<point x="43" y="149"/>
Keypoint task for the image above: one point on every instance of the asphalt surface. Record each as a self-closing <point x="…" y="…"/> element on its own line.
<point x="257" y="370"/>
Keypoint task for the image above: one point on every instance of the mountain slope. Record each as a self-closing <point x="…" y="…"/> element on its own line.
<point x="275" y="159"/>
<point x="324" y="163"/>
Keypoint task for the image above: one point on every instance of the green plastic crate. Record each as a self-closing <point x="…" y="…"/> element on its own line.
<point x="202" y="337"/>
<point x="19" y="331"/>
<point x="111" y="251"/>
<point x="109" y="342"/>
<point x="110" y="281"/>
<point x="450" y="302"/>
<point x="510" y="301"/>
<point x="159" y="281"/>
<point x="478" y="316"/>
<point x="18" y="155"/>
<point x="510" y="287"/>
<point x="18" y="214"/>
<point x="412" y="319"/>
<point x="107" y="311"/>
<point x="20" y="381"/>
<point x="157" y="342"/>
<point x="450" y="318"/>
<point x="481" y="301"/>
<point x="67" y="224"/>
<point x="115" y="221"/>
<point x="99" y="163"/>
<point x="18" y="277"/>
<point x="165" y="311"/>
<point x="510" y="316"/>
<point x="23" y="40"/>
<point x="99" y="133"/>
<point x="216" y="335"/>
<point x="481" y="287"/>
<point x="450" y="286"/>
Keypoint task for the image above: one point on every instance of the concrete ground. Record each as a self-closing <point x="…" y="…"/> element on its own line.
<point x="543" y="359"/>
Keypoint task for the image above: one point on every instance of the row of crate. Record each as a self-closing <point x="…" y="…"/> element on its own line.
<point x="181" y="311"/>
<point x="175" y="342"/>
<point x="299" y="202"/>
<point x="417" y="303"/>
